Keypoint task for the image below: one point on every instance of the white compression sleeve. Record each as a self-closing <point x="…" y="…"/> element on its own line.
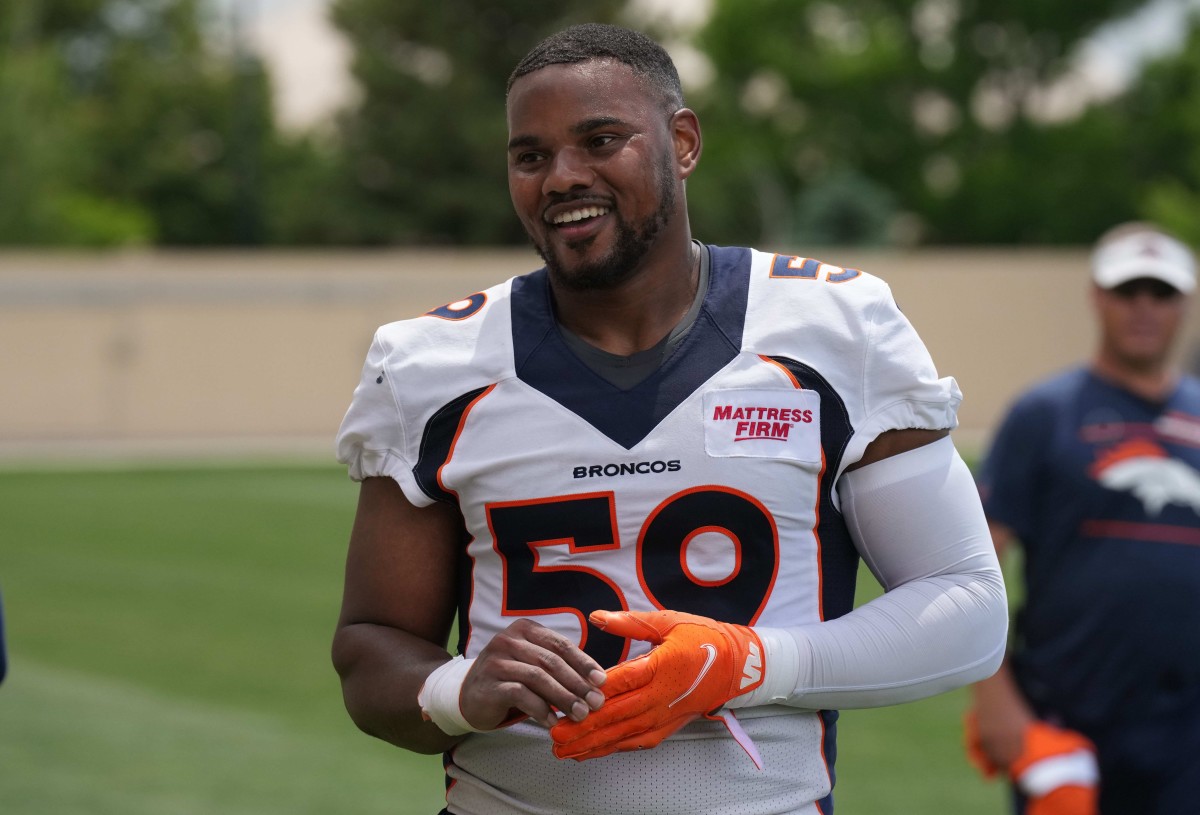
<point x="942" y="621"/>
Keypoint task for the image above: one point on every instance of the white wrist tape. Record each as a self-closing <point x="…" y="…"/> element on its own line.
<point x="1076" y="769"/>
<point x="438" y="697"/>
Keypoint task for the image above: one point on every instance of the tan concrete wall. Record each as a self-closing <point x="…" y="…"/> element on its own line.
<point x="221" y="352"/>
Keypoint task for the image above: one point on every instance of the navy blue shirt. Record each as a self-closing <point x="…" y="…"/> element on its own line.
<point x="1103" y="490"/>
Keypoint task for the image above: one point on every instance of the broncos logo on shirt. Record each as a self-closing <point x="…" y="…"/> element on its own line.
<point x="1146" y="470"/>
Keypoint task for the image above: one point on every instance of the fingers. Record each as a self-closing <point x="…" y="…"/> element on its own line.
<point x="689" y="672"/>
<point x="533" y="670"/>
<point x="630" y="675"/>
<point x="623" y="717"/>
<point x="632" y="624"/>
<point x="641" y="732"/>
<point x="626" y="711"/>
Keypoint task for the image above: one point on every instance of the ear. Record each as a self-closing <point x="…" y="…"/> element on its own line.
<point x="685" y="133"/>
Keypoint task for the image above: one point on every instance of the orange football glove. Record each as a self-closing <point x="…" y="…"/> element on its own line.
<point x="1069" y="799"/>
<point x="697" y="665"/>
<point x="1056" y="769"/>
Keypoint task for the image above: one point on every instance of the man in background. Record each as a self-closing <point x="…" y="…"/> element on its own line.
<point x="1095" y="473"/>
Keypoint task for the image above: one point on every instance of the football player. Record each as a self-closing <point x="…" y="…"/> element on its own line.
<point x="642" y="477"/>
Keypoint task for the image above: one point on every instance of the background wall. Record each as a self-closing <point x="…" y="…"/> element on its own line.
<point x="258" y="353"/>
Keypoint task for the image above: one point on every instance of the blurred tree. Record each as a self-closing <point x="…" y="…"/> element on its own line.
<point x="41" y="198"/>
<point x="1161" y="116"/>
<point x="126" y="122"/>
<point x="424" y="149"/>
<point x="135" y="121"/>
<point x="925" y="120"/>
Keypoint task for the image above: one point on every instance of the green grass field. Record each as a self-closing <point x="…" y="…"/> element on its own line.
<point x="168" y="637"/>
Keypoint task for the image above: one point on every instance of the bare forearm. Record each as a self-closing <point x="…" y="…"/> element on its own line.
<point x="1000" y="688"/>
<point x="1002" y="716"/>
<point x="382" y="670"/>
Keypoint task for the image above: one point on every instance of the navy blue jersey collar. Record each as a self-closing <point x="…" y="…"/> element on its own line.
<point x="545" y="362"/>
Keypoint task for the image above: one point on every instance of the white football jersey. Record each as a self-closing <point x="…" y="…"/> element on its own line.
<point x="708" y="488"/>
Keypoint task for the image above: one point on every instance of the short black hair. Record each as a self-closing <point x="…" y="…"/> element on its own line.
<point x="588" y="41"/>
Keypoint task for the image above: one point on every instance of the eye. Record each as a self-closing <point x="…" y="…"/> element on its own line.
<point x="528" y="157"/>
<point x="602" y="140"/>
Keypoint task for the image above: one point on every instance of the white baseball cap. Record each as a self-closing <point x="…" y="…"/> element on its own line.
<point x="1144" y="252"/>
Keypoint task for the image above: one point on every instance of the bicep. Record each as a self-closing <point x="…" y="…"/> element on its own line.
<point x="917" y="514"/>
<point x="401" y="566"/>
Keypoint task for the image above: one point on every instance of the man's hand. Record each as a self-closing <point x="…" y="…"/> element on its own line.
<point x="1055" y="768"/>
<point x="697" y="665"/>
<point x="995" y="726"/>
<point x="1057" y="771"/>
<point x="529" y="670"/>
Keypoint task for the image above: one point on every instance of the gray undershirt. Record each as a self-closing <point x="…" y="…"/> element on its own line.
<point x="625" y="372"/>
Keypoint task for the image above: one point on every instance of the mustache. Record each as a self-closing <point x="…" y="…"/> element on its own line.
<point x="558" y="198"/>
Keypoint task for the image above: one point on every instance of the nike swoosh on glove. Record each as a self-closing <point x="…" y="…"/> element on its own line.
<point x="697" y="664"/>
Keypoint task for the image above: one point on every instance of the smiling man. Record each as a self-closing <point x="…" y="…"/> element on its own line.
<point x="595" y="223"/>
<point x="643" y="477"/>
<point x="1096" y="473"/>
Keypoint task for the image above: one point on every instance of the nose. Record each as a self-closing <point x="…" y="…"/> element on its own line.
<point x="569" y="170"/>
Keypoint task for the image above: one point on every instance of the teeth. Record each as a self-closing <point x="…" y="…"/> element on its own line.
<point x="579" y="215"/>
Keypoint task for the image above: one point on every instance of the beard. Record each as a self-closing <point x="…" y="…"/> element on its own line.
<point x="633" y="242"/>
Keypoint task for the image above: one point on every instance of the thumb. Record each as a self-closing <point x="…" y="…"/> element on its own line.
<point x="637" y="625"/>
